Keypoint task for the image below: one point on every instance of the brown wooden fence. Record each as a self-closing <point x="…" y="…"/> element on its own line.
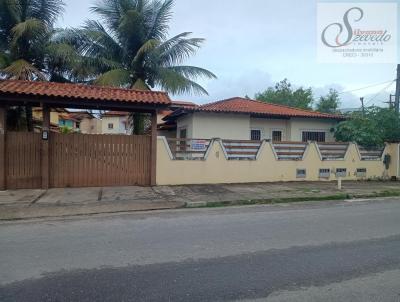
<point x="23" y="165"/>
<point x="82" y="160"/>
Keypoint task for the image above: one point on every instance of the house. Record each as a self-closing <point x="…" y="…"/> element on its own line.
<point x="115" y="122"/>
<point x="68" y="120"/>
<point x="244" y="119"/>
<point x="168" y="129"/>
<point x="86" y="123"/>
<point x="37" y="116"/>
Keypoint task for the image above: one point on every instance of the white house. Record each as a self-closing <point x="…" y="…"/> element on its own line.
<point x="115" y="122"/>
<point x="244" y="119"/>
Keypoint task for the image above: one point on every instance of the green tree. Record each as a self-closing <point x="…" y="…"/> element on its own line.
<point x="284" y="94"/>
<point x="27" y="48"/>
<point x="374" y="128"/>
<point x="329" y="103"/>
<point x="129" y="48"/>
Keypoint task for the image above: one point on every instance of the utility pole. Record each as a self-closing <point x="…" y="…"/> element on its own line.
<point x="362" y="106"/>
<point x="397" y="96"/>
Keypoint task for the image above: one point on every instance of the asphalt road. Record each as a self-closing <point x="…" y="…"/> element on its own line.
<point x="329" y="251"/>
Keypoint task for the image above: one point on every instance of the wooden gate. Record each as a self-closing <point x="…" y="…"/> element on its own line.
<point x="23" y="162"/>
<point x="83" y="160"/>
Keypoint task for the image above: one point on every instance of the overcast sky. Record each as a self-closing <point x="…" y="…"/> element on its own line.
<point x="252" y="44"/>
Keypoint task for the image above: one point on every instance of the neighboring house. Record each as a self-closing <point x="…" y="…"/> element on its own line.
<point x="244" y="119"/>
<point x="37" y="116"/>
<point x="87" y="123"/>
<point x="115" y="122"/>
<point x="68" y="120"/>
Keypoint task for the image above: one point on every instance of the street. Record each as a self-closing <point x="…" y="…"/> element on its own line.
<point x="315" y="251"/>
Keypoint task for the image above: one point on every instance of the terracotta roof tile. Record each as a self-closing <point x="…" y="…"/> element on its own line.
<point x="115" y="113"/>
<point x="242" y="105"/>
<point x="80" y="91"/>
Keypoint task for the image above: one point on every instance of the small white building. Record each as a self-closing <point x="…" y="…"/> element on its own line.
<point x="244" y="119"/>
<point x="115" y="122"/>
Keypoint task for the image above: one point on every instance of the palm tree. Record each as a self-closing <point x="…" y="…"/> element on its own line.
<point x="129" y="48"/>
<point x="27" y="49"/>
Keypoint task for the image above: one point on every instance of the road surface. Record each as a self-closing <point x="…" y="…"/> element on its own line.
<point x="328" y="251"/>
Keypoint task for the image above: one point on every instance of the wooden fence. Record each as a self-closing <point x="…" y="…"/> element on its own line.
<point x="82" y="160"/>
<point x="23" y="163"/>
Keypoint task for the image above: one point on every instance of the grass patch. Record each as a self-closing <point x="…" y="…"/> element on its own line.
<point x="340" y="196"/>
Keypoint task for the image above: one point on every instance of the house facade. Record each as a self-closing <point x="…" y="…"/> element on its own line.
<point x="115" y="122"/>
<point x="245" y="119"/>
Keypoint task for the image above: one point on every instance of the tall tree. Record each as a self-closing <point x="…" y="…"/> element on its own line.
<point x="284" y="94"/>
<point x="26" y="30"/>
<point x="329" y="103"/>
<point x="128" y="47"/>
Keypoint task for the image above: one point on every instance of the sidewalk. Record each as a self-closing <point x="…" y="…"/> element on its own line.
<point x="24" y="204"/>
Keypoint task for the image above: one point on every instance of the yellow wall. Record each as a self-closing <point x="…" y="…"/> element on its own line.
<point x="215" y="168"/>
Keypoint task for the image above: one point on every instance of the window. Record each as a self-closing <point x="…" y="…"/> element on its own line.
<point x="324" y="173"/>
<point x="361" y="172"/>
<point x="316" y="136"/>
<point x="276" y="136"/>
<point x="341" y="172"/>
<point x="110" y="126"/>
<point x="78" y="125"/>
<point x="301" y="173"/>
<point x="255" y="134"/>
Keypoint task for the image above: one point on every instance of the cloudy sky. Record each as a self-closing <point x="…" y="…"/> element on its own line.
<point x="252" y="44"/>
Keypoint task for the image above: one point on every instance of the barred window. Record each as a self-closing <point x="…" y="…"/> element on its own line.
<point x="317" y="136"/>
<point x="255" y="134"/>
<point x="276" y="136"/>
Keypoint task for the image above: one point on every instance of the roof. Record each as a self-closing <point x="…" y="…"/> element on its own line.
<point x="115" y="113"/>
<point x="183" y="104"/>
<point x="82" y="92"/>
<point x="258" y="108"/>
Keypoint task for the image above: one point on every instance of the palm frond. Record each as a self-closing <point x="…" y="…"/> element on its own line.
<point x="27" y="29"/>
<point x="22" y="70"/>
<point x="147" y="47"/>
<point x="46" y="10"/>
<point x="161" y="13"/>
<point x="177" y="49"/>
<point x="176" y="83"/>
<point x="193" y="72"/>
<point x="115" y="78"/>
<point x="111" y="11"/>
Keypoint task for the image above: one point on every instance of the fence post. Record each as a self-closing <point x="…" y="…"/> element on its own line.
<point x="153" y="164"/>
<point x="3" y="127"/>
<point x="45" y="147"/>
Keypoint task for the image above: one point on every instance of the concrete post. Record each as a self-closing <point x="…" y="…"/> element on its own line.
<point x="45" y="147"/>
<point x="153" y="172"/>
<point x="3" y="128"/>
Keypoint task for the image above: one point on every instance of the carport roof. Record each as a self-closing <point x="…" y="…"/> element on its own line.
<point x="84" y="94"/>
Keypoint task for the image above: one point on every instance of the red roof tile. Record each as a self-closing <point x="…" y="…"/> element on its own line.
<point x="80" y="91"/>
<point x="183" y="104"/>
<point x="242" y="105"/>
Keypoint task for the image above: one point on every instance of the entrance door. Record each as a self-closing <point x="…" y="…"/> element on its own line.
<point x="85" y="160"/>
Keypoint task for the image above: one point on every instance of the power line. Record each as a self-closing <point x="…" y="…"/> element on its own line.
<point x="366" y="87"/>
<point x="378" y="93"/>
